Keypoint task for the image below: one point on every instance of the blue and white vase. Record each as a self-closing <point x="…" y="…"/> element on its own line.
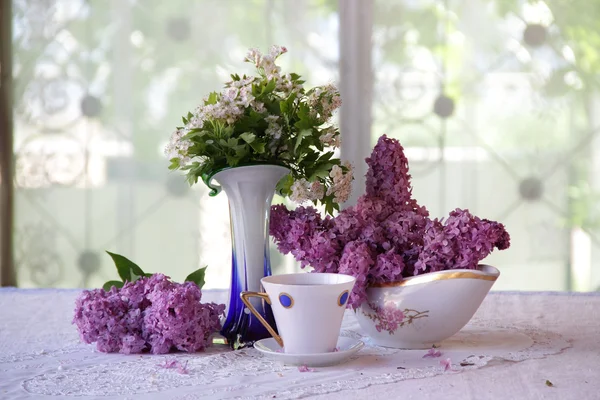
<point x="250" y="191"/>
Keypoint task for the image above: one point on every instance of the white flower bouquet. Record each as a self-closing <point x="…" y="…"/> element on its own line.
<point x="267" y="119"/>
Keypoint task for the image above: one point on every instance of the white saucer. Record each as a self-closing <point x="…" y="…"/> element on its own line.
<point x="347" y="347"/>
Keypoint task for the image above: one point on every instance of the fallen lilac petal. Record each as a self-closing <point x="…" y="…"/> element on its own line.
<point x="182" y="368"/>
<point x="304" y="368"/>
<point x="433" y="353"/>
<point x="174" y="364"/>
<point x="447" y="364"/>
<point x="169" y="364"/>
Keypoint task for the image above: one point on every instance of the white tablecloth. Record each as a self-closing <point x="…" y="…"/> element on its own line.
<point x="41" y="357"/>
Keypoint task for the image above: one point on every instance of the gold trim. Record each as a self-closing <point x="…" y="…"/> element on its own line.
<point x="340" y="298"/>
<point x="288" y="295"/>
<point x="426" y="278"/>
<point x="245" y="296"/>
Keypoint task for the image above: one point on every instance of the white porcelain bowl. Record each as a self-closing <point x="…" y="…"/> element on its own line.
<point x="423" y="310"/>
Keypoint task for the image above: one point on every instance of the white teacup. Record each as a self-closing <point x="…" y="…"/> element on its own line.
<point x="308" y="309"/>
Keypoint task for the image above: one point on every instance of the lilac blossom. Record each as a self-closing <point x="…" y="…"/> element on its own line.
<point x="357" y="259"/>
<point x="461" y="242"/>
<point x="388" y="266"/>
<point x="152" y="314"/>
<point x="388" y="176"/>
<point x="387" y="236"/>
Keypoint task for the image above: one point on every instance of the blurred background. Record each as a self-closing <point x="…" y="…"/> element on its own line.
<point x="496" y="102"/>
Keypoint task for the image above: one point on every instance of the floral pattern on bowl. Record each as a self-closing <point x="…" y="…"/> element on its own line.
<point x="424" y="310"/>
<point x="389" y="318"/>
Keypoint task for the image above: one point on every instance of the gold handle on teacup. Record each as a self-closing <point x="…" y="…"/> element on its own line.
<point x="246" y="299"/>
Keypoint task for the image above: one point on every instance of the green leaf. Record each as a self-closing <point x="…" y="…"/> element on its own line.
<point x="195" y="133"/>
<point x="304" y="123"/>
<point x="110" y="284"/>
<point x="127" y="269"/>
<point x="248" y="137"/>
<point x="284" y="107"/>
<point x="269" y="88"/>
<point x="258" y="146"/>
<point x="321" y="173"/>
<point x="303" y="111"/>
<point x="135" y="277"/>
<point x="328" y="208"/>
<point x="232" y="160"/>
<point x="319" y="170"/>
<point x="327" y="156"/>
<point x="287" y="105"/>
<point x="192" y="179"/>
<point x="250" y="122"/>
<point x="212" y="98"/>
<point x="303" y="133"/>
<point x="174" y="163"/>
<point x="311" y="156"/>
<point x="241" y="151"/>
<point x="285" y="184"/>
<point x="197" y="277"/>
<point x="255" y="116"/>
<point x="227" y="131"/>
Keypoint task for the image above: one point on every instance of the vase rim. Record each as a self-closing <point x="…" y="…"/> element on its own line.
<point x="215" y="190"/>
<point x="218" y="171"/>
<point x="482" y="272"/>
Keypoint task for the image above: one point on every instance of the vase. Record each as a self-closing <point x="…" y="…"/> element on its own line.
<point x="250" y="190"/>
<point x="423" y="310"/>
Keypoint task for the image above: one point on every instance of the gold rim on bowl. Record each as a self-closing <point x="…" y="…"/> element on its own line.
<point x="490" y="275"/>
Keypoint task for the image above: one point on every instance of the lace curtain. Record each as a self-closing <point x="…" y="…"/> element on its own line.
<point x="495" y="101"/>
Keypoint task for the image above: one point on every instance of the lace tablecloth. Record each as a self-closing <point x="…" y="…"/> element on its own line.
<point x="518" y="346"/>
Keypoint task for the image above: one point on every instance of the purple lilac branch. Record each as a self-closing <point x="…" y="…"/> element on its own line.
<point x="150" y="315"/>
<point x="386" y="236"/>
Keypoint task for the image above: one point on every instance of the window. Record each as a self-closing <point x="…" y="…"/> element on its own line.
<point x="496" y="103"/>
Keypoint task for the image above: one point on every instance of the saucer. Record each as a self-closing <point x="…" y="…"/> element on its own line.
<point x="347" y="347"/>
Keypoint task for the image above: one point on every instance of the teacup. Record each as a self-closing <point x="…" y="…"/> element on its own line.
<point x="308" y="309"/>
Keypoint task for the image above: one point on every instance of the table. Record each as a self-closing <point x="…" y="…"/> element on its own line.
<point x="41" y="357"/>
